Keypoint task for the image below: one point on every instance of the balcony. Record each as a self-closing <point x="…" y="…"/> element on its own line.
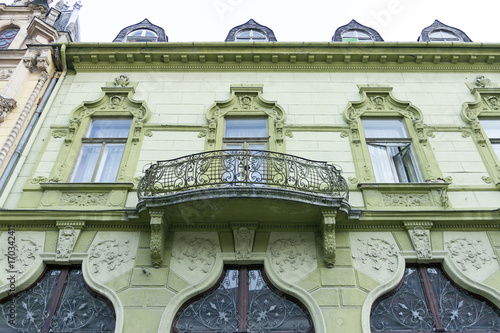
<point x="220" y="183"/>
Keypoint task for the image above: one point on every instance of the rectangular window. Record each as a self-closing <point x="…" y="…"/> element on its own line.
<point x="101" y="151"/>
<point x="391" y="152"/>
<point x="246" y="133"/>
<point x="492" y="129"/>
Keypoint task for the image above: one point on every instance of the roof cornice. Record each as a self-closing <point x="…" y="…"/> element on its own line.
<point x="286" y="56"/>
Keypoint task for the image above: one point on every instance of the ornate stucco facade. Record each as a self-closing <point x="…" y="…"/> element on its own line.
<point x="336" y="249"/>
<point x="27" y="68"/>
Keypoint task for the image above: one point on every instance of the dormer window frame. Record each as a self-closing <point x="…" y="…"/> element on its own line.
<point x="425" y="35"/>
<point x="143" y="36"/>
<point x="251" y="37"/>
<point x="232" y="36"/>
<point x="355" y="26"/>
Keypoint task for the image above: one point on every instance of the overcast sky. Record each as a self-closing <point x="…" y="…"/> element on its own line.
<point x="311" y="20"/>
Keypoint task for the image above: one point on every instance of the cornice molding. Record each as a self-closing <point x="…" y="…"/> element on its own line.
<point x="330" y="56"/>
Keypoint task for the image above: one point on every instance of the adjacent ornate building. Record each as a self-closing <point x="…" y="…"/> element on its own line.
<point x="27" y="28"/>
<point x="344" y="186"/>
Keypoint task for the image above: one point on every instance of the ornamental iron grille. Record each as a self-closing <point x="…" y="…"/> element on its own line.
<point x="60" y="302"/>
<point x="243" y="302"/>
<point x="241" y="167"/>
<point x="427" y="301"/>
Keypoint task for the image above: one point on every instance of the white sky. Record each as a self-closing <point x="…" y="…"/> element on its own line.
<point x="292" y="20"/>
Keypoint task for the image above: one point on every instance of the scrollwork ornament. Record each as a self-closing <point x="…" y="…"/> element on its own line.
<point x="38" y="180"/>
<point x="109" y="254"/>
<point x="243" y="242"/>
<point x="197" y="253"/>
<point x="378" y="252"/>
<point x="481" y="81"/>
<point x="421" y="240"/>
<point x="24" y="254"/>
<point x="121" y="81"/>
<point x="59" y="134"/>
<point x="468" y="254"/>
<point x="288" y="252"/>
<point x="66" y="242"/>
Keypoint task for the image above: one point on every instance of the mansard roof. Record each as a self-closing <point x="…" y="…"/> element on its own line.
<point x="251" y="24"/>
<point x="145" y="24"/>
<point x="354" y="25"/>
<point x="437" y="25"/>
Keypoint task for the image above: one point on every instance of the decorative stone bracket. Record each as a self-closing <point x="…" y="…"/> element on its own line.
<point x="421" y="238"/>
<point x="69" y="231"/>
<point x="243" y="234"/>
<point x="329" y="243"/>
<point x="158" y="231"/>
<point x="6" y="106"/>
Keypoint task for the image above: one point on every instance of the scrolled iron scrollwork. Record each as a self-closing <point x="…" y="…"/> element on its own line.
<point x="242" y="167"/>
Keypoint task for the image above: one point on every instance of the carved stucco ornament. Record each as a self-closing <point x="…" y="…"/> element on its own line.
<point x="6" y="106"/>
<point x="68" y="235"/>
<point x="374" y="254"/>
<point x="194" y="254"/>
<point x="121" y="80"/>
<point x="293" y="255"/>
<point x="472" y="253"/>
<point x="19" y="251"/>
<point x="421" y="238"/>
<point x="158" y="231"/>
<point x="329" y="242"/>
<point x="245" y="100"/>
<point x="243" y="239"/>
<point x="109" y="254"/>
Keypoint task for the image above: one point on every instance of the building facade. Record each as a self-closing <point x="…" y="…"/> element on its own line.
<point x="260" y="187"/>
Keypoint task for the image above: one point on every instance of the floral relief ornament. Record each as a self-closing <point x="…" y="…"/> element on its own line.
<point x="289" y="252"/>
<point x="25" y="253"/>
<point x="466" y="253"/>
<point x="380" y="253"/>
<point x="110" y="254"/>
<point x="198" y="252"/>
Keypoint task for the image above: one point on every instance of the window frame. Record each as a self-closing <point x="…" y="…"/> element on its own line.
<point x="456" y="37"/>
<point x="243" y="296"/>
<point x="57" y="297"/>
<point x="251" y="38"/>
<point x="366" y="38"/>
<point x="141" y="38"/>
<point x="246" y="101"/>
<point x="431" y="300"/>
<point x="86" y="141"/>
<point x="6" y="46"/>
<point x="403" y="172"/>
<point x="378" y="102"/>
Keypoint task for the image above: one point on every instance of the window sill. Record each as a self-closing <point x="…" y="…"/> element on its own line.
<point x="79" y="196"/>
<point x="407" y="196"/>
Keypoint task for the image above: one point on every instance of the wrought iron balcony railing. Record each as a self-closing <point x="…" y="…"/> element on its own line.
<point x="241" y="168"/>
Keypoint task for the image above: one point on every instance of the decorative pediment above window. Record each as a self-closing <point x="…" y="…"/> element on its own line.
<point x="487" y="103"/>
<point x="245" y="101"/>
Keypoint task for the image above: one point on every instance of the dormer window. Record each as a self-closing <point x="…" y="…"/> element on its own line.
<point x="356" y="36"/>
<point x="440" y="32"/>
<point x="251" y="32"/>
<point x="356" y="32"/>
<point x="251" y="35"/>
<point x="443" y="36"/>
<point x="142" y="35"/>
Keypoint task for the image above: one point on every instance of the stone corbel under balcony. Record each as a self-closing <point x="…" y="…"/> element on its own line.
<point x="158" y="230"/>
<point x="393" y="196"/>
<point x="328" y="230"/>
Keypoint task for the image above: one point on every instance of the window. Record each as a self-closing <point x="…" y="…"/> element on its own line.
<point x="251" y="35"/>
<point x="246" y="133"/>
<point x="244" y="301"/>
<point x="101" y="151"/>
<point x="427" y="301"/>
<point x="60" y="302"/>
<point x="443" y="36"/>
<point x="391" y="152"/>
<point x="7" y="36"/>
<point x="356" y="36"/>
<point x="492" y="129"/>
<point x="142" y="35"/>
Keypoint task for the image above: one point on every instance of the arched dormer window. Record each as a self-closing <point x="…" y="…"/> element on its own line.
<point x="356" y="36"/>
<point x="251" y="35"/>
<point x="443" y="36"/>
<point x="243" y="301"/>
<point x="440" y="32"/>
<point x="143" y="31"/>
<point x="356" y="32"/>
<point x="7" y="36"/>
<point x="142" y="35"/>
<point x="250" y="31"/>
